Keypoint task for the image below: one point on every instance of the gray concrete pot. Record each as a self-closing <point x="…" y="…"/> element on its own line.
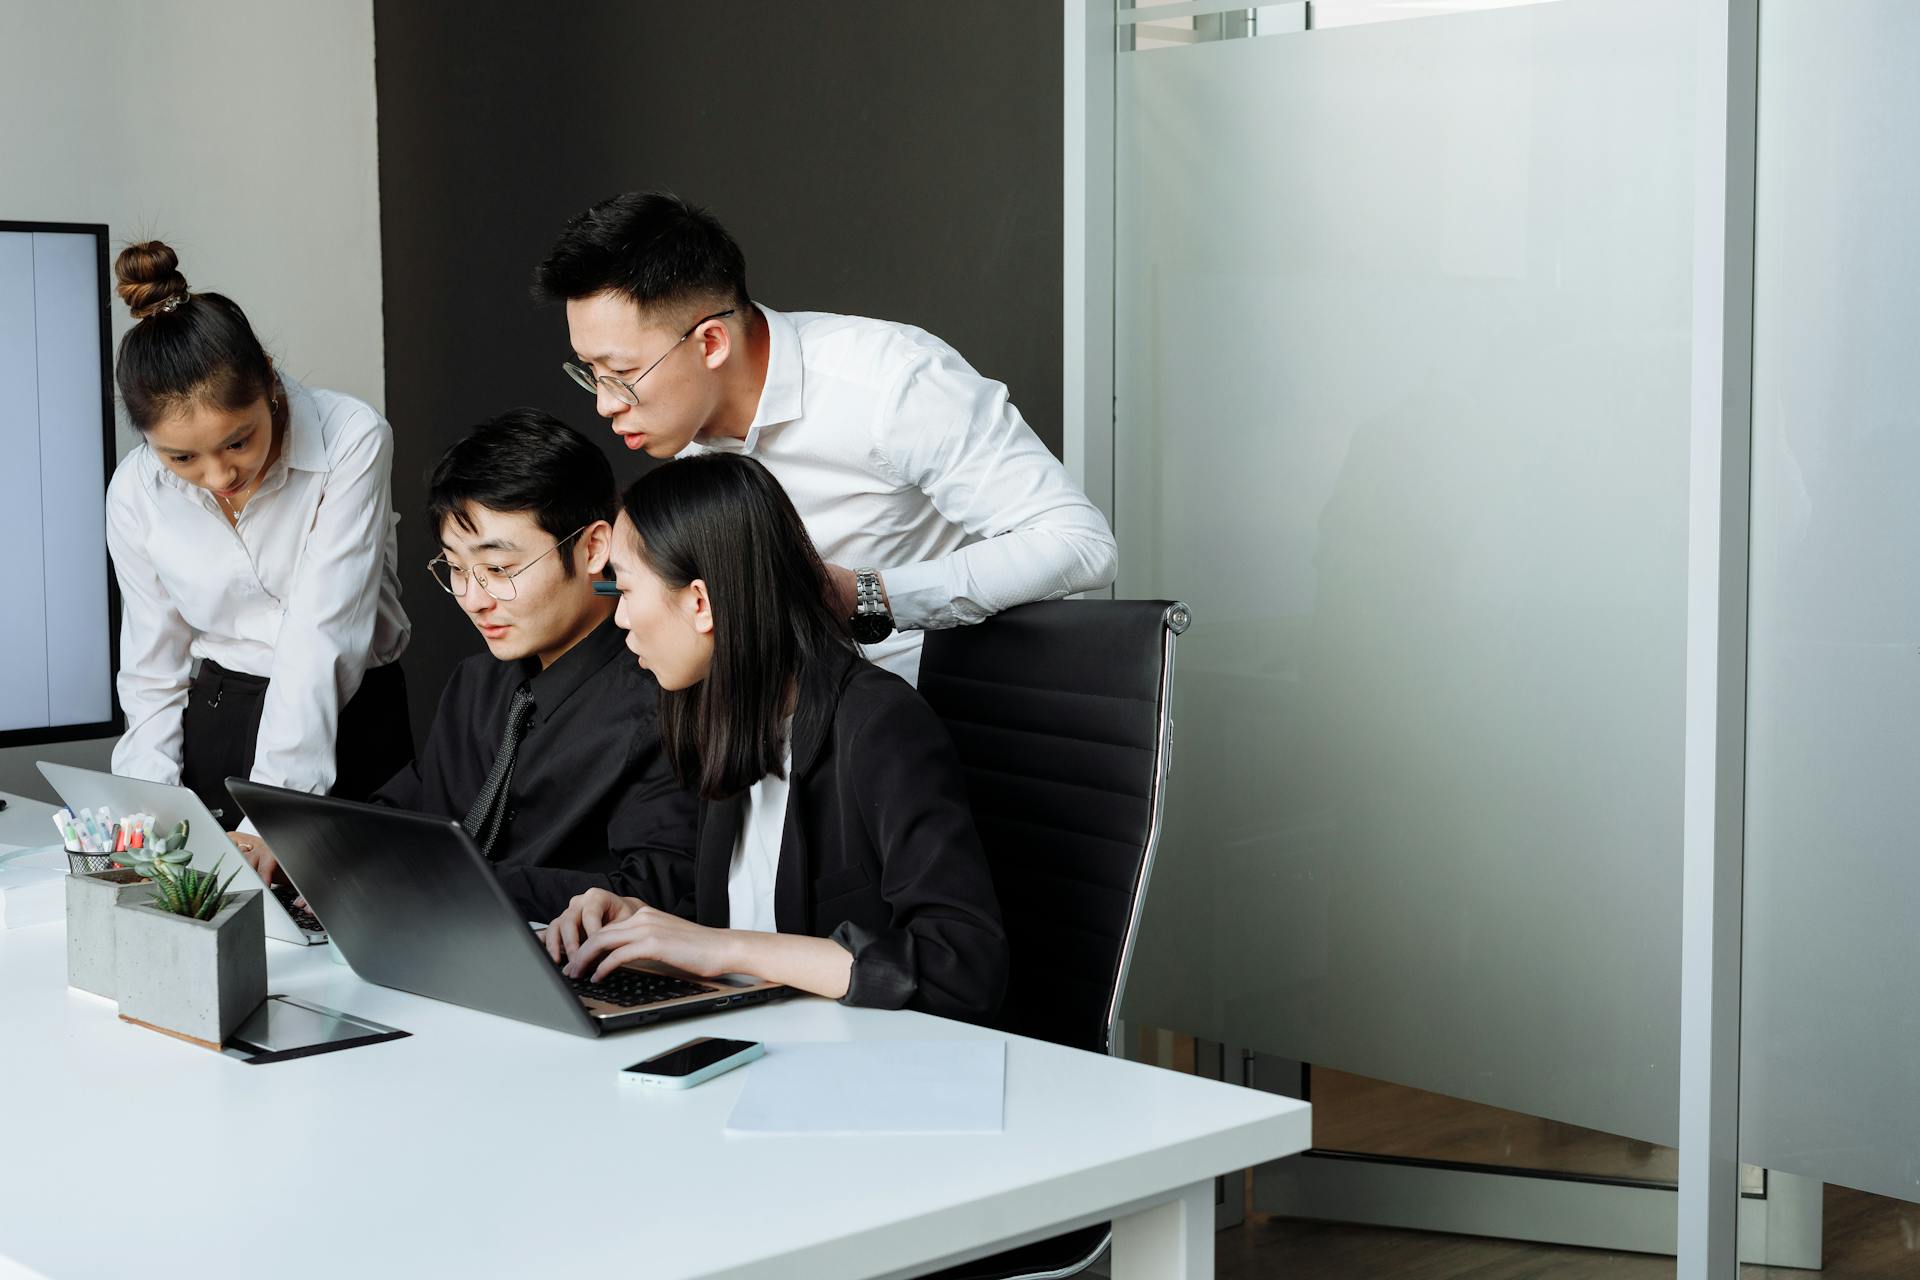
<point x="195" y="979"/>
<point x="91" y="898"/>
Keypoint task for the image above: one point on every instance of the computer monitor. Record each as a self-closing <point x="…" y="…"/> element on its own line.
<point x="59" y="630"/>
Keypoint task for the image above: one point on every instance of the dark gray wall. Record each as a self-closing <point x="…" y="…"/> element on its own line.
<point x="893" y="158"/>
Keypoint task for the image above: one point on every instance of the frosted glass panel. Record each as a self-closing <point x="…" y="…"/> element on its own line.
<point x="1403" y="315"/>
<point x="1328" y="14"/>
<point x="1831" y="985"/>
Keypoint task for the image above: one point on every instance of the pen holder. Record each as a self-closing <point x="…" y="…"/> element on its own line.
<point x="91" y="901"/>
<point x="86" y="864"/>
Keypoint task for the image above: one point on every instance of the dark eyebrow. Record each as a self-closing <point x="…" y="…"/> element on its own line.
<point x="188" y="453"/>
<point x="480" y="548"/>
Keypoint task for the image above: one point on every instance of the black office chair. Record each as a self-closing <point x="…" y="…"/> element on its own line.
<point x="1060" y="712"/>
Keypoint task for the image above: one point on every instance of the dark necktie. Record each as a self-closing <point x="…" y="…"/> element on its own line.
<point x="489" y="810"/>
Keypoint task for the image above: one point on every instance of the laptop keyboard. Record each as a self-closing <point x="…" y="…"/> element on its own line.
<point x="305" y="919"/>
<point x="630" y="988"/>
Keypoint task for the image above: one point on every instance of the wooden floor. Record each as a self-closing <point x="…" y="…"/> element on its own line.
<point x="1867" y="1238"/>
<point x="1355" y="1113"/>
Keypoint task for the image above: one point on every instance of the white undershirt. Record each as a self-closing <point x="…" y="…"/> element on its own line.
<point x="756" y="853"/>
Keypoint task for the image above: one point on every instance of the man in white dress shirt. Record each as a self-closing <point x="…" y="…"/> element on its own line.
<point x="931" y="499"/>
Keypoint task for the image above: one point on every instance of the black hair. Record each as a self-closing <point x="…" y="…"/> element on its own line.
<point x="650" y="247"/>
<point x="187" y="347"/>
<point x="523" y="460"/>
<point x="724" y="519"/>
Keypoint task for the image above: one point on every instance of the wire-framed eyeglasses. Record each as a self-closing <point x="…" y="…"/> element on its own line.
<point x="490" y="578"/>
<point x="624" y="391"/>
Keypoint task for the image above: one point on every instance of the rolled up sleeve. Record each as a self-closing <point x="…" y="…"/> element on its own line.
<point x="958" y="438"/>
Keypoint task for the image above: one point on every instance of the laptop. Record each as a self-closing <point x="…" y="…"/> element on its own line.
<point x="412" y="904"/>
<point x="89" y="789"/>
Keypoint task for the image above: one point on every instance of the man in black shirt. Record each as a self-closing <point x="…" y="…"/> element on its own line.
<point x="546" y="747"/>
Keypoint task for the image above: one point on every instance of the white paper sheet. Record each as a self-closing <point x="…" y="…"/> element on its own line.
<point x="875" y="1087"/>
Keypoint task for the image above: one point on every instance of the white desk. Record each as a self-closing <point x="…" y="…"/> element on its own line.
<point x="483" y="1147"/>
<point x="25" y="822"/>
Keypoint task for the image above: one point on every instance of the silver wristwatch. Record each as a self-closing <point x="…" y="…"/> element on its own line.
<point x="872" y="621"/>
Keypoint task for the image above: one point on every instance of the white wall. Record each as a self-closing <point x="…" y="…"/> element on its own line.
<point x="239" y="131"/>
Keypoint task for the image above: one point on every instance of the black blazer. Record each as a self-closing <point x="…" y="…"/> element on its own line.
<point x="879" y="850"/>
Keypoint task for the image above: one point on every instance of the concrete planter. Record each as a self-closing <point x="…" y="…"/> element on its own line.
<point x="91" y="899"/>
<point x="195" y="979"/>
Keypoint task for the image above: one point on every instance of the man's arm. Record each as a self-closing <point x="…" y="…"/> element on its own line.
<point x="958" y="438"/>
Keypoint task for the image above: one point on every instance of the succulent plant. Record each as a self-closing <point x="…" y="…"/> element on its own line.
<point x="177" y="887"/>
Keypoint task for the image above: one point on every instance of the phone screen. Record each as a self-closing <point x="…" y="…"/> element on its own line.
<point x="690" y="1057"/>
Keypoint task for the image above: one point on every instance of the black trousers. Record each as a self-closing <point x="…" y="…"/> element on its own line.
<point x="222" y="726"/>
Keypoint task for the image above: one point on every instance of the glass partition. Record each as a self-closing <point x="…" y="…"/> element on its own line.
<point x="1402" y="403"/>
<point x="1830" y="1020"/>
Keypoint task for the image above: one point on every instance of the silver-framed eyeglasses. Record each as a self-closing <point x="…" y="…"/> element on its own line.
<point x="490" y="578"/>
<point x="624" y="391"/>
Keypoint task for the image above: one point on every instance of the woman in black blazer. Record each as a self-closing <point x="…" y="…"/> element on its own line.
<point x="836" y="852"/>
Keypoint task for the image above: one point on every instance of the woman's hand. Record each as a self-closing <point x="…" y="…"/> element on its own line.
<point x="258" y="853"/>
<point x="585" y="916"/>
<point x="649" y="934"/>
<point x="818" y="965"/>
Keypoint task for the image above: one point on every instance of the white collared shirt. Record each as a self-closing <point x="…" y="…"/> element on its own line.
<point x="899" y="457"/>
<point x="302" y="590"/>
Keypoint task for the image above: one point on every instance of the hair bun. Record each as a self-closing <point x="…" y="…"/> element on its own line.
<point x="147" y="277"/>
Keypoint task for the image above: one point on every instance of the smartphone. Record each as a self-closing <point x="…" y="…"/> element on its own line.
<point x="686" y="1065"/>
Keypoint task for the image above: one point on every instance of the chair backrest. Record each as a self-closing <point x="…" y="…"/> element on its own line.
<point x="1060" y="714"/>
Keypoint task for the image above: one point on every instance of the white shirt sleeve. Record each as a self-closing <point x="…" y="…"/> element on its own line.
<point x="327" y="633"/>
<point x="156" y="662"/>
<point x="957" y="437"/>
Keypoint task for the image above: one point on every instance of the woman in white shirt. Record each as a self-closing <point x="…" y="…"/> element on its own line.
<point x="253" y="535"/>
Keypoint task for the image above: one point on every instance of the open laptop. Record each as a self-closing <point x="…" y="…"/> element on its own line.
<point x="412" y="904"/>
<point x="89" y="789"/>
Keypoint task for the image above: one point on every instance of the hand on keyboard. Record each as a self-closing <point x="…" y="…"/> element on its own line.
<point x="297" y="908"/>
<point x="585" y="916"/>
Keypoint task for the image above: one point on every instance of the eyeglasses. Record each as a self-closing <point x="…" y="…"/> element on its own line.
<point x="625" y="390"/>
<point x="490" y="578"/>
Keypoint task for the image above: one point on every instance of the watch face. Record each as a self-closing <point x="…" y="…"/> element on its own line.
<point x="871" y="628"/>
